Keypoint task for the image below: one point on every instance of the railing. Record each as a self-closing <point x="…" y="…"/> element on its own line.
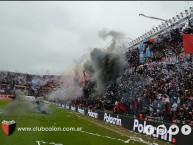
<point x="131" y="115"/>
<point x="174" y="22"/>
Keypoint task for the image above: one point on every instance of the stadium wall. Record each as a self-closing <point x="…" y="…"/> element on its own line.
<point x="135" y="124"/>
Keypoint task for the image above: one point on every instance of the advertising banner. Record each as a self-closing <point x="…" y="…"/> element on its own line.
<point x="176" y="134"/>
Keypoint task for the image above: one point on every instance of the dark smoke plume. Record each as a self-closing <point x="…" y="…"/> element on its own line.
<point x="22" y="105"/>
<point x="114" y="34"/>
<point x="103" y="67"/>
<point x="19" y="105"/>
<point x="106" y="65"/>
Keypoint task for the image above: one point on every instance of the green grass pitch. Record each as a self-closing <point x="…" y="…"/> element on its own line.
<point x="94" y="132"/>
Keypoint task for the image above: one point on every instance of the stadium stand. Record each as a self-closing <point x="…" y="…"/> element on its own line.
<point x="158" y="84"/>
<point x="31" y="85"/>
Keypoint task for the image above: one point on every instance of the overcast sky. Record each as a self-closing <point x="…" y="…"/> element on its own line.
<point x="36" y="37"/>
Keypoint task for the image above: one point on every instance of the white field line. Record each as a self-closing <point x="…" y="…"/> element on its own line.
<point x="127" y="141"/>
<point x="95" y="134"/>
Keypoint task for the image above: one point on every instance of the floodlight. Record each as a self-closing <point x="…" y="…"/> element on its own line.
<point x="181" y="14"/>
<point x="186" y="11"/>
<point x="178" y="17"/>
<point x="174" y="19"/>
<point x="191" y="9"/>
<point x="143" y="35"/>
<point x="170" y="20"/>
<point x="166" y="23"/>
<point x="163" y="25"/>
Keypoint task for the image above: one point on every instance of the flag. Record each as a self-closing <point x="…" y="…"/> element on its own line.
<point x="84" y="78"/>
<point x="122" y="107"/>
<point x="141" y="51"/>
<point x="144" y="50"/>
<point x="51" y="84"/>
<point x="188" y="43"/>
<point x="150" y="41"/>
<point x="147" y="52"/>
<point x="141" y="57"/>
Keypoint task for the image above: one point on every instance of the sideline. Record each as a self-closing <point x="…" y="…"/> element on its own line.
<point x="127" y="141"/>
<point x="137" y="139"/>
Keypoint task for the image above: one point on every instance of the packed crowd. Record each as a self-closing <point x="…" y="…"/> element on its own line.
<point x="166" y="92"/>
<point x="166" y="81"/>
<point x="31" y="85"/>
<point x="160" y="88"/>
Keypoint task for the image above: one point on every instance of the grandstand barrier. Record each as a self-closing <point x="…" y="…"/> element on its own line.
<point x="7" y="97"/>
<point x="136" y="125"/>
